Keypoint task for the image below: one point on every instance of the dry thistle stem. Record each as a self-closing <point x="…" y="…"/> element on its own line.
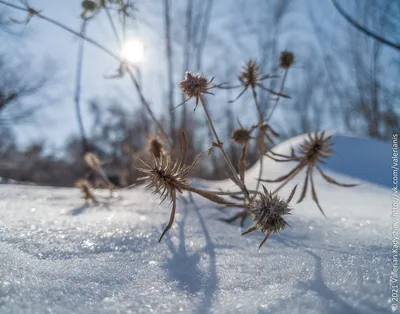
<point x="241" y="136"/>
<point x="86" y="189"/>
<point x="286" y="59"/>
<point x="251" y="77"/>
<point x="267" y="211"/>
<point x="310" y="153"/>
<point x="155" y="146"/>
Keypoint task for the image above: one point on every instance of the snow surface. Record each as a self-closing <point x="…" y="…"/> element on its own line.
<point x="59" y="257"/>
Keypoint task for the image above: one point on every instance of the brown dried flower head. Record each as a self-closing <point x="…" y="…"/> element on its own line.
<point x="250" y="74"/>
<point x="241" y="136"/>
<point x="311" y="153"/>
<point x="286" y="59"/>
<point x="267" y="213"/>
<point x="251" y="77"/>
<point x="194" y="85"/>
<point x="92" y="160"/>
<point x="155" y="147"/>
<point x="85" y="187"/>
<point x="165" y="175"/>
<point x="315" y="148"/>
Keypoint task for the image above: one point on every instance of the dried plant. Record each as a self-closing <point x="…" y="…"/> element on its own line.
<point x="310" y="153"/>
<point x="251" y="77"/>
<point x="168" y="177"/>
<point x="94" y="162"/>
<point x="286" y="59"/>
<point x="241" y="136"/>
<point x="86" y="189"/>
<point x="155" y="146"/>
<point x="194" y="86"/>
<point x="266" y="212"/>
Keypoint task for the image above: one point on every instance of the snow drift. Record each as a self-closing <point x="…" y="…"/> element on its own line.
<point x="59" y="257"/>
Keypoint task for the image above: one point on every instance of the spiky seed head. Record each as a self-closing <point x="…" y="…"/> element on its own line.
<point x="86" y="189"/>
<point x="315" y="148"/>
<point x="286" y="59"/>
<point x="194" y="85"/>
<point x="89" y="5"/>
<point x="165" y="175"/>
<point x="155" y="147"/>
<point x="267" y="211"/>
<point x="250" y="74"/>
<point x="92" y="160"/>
<point x="240" y="136"/>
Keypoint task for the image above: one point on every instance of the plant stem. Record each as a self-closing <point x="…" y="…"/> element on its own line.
<point x="110" y="19"/>
<point x="78" y="85"/>
<point x="258" y="108"/>
<point x="280" y="92"/>
<point x="220" y="146"/>
<point x="253" y="89"/>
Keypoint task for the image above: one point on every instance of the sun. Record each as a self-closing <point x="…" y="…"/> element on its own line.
<point x="133" y="51"/>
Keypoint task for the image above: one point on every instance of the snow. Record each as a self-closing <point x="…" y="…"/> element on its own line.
<point x="59" y="257"/>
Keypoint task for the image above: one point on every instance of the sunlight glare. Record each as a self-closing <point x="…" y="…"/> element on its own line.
<point x="133" y="51"/>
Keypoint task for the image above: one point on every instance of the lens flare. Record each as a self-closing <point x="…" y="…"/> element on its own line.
<point x="133" y="51"/>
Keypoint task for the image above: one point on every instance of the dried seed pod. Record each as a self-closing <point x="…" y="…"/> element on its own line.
<point x="315" y="148"/>
<point x="194" y="85"/>
<point x="86" y="189"/>
<point x="311" y="153"/>
<point x="165" y="175"/>
<point x="250" y="75"/>
<point x="155" y="147"/>
<point x="286" y="59"/>
<point x="241" y="136"/>
<point x="92" y="160"/>
<point x="267" y="213"/>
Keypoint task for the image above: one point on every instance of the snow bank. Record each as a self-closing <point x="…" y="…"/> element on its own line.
<point x="59" y="257"/>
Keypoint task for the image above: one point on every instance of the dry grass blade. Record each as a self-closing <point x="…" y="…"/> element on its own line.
<point x="172" y="217"/>
<point x="287" y="180"/>
<point x="291" y="158"/>
<point x="273" y="92"/>
<point x="292" y="194"/>
<point x="251" y="229"/>
<point x="331" y="180"/>
<point x="303" y="193"/>
<point x="265" y="239"/>
<point x="286" y="176"/>
<point x="314" y="194"/>
<point x="238" y="96"/>
<point x="276" y="159"/>
<point x="212" y="197"/>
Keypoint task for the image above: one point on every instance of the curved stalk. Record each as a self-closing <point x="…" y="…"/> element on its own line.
<point x="280" y="92"/>
<point x="225" y="156"/>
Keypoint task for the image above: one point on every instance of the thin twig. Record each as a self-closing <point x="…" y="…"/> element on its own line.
<point x="78" y="86"/>
<point x="280" y="92"/>
<point x="363" y="29"/>
<point x="220" y="146"/>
